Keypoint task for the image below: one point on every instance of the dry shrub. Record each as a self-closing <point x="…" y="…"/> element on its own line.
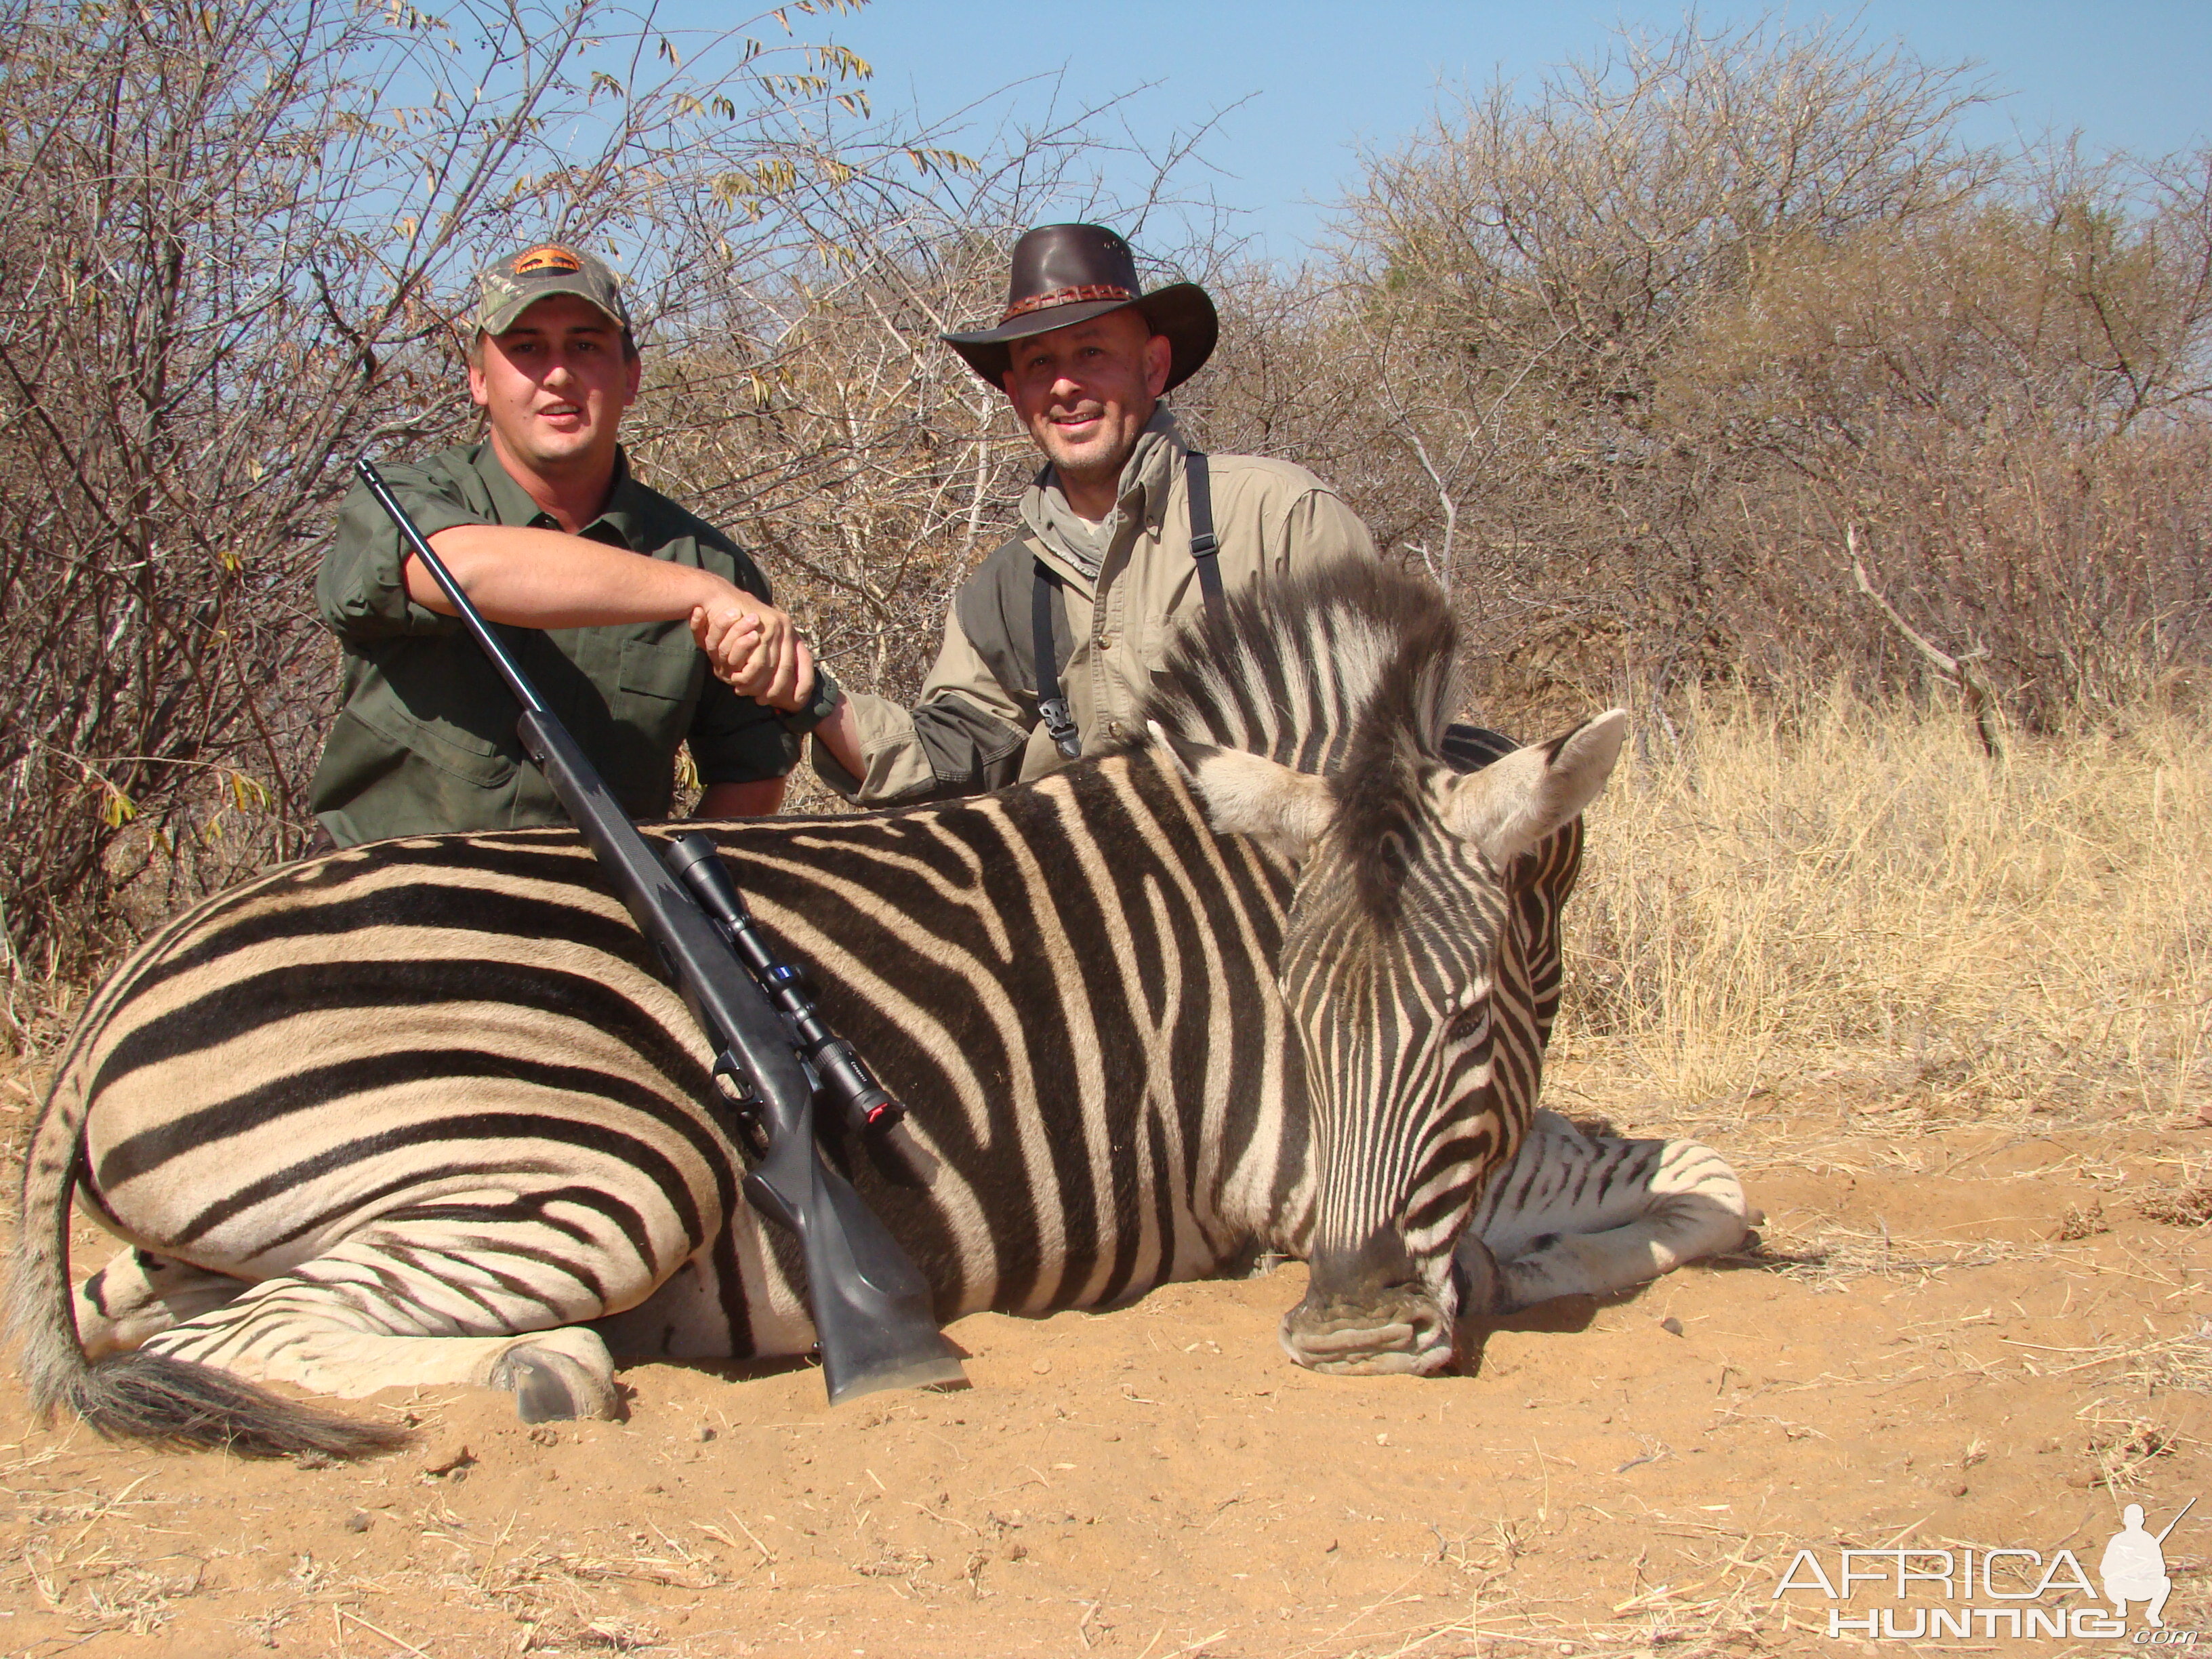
<point x="2187" y="1207"/>
<point x="1632" y="349"/>
<point x="1623" y="363"/>
<point x="242" y="235"/>
<point x="1818" y="887"/>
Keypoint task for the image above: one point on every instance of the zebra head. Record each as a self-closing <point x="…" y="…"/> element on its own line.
<point x="1420" y="1076"/>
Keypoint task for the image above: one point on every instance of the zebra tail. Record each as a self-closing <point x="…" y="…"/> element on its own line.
<point x="165" y="1401"/>
<point x="150" y="1397"/>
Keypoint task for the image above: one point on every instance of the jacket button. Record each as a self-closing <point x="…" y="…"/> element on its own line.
<point x="1113" y="728"/>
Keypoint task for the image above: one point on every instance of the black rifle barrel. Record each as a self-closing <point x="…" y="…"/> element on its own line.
<point x="871" y="1306"/>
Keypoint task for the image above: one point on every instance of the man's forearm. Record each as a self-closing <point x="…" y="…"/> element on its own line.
<point x="838" y="734"/>
<point x="546" y="579"/>
<point x="875" y="753"/>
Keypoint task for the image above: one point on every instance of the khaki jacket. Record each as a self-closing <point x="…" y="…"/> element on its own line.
<point x="977" y="726"/>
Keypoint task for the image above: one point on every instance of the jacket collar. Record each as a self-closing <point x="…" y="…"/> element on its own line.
<point x="1147" y="478"/>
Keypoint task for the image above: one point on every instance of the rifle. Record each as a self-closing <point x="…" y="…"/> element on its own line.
<point x="2176" y="1521"/>
<point x="871" y="1306"/>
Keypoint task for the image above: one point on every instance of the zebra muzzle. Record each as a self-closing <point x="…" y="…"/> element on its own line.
<point x="1367" y="1312"/>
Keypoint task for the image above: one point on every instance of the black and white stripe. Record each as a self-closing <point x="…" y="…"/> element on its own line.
<point x="422" y="1111"/>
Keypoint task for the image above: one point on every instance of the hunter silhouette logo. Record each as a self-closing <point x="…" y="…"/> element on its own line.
<point x="550" y="257"/>
<point x="1988" y="1593"/>
<point x="2134" y="1567"/>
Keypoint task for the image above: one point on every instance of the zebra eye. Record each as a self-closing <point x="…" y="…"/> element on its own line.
<point x="1468" y="1014"/>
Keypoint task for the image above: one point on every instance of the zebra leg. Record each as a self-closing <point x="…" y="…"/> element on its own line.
<point x="1475" y="1278"/>
<point x="412" y="1302"/>
<point x="1677" y="1228"/>
<point x="139" y="1295"/>
<point x="1577" y="1214"/>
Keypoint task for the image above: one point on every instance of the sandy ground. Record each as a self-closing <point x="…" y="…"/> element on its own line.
<point x="1961" y="1337"/>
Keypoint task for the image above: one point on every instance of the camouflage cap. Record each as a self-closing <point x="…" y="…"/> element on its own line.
<point x="512" y="285"/>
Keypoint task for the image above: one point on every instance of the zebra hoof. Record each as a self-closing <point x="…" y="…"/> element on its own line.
<point x="551" y="1384"/>
<point x="540" y="1395"/>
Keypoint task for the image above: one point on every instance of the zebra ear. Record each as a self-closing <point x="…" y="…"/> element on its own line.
<point x="1512" y="804"/>
<point x="1247" y="794"/>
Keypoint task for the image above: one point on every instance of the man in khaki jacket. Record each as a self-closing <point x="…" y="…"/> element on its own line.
<point x="1106" y="546"/>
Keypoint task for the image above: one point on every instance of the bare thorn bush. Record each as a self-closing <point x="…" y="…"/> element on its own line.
<point x="1639" y="348"/>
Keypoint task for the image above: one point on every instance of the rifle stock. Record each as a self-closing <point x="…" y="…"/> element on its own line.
<point x="871" y="1306"/>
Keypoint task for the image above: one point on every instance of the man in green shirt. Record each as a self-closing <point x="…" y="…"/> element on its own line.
<point x="647" y="627"/>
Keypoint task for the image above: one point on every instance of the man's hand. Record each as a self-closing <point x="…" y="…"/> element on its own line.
<point x="755" y="650"/>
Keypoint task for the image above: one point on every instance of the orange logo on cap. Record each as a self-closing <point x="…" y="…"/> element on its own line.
<point x="551" y="257"/>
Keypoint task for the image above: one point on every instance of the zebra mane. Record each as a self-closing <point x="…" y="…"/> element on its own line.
<point x="1336" y="671"/>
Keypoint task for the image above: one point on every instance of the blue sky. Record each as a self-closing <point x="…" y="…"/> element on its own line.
<point x="1303" y="84"/>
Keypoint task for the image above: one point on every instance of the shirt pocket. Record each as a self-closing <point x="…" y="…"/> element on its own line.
<point x="656" y="693"/>
<point x="661" y="674"/>
<point x="441" y="743"/>
<point x="1157" y="630"/>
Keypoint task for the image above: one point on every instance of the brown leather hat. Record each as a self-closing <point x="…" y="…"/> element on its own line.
<point x="1068" y="274"/>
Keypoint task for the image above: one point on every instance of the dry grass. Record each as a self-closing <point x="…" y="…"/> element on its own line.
<point x="2188" y="1207"/>
<point x="1834" y="893"/>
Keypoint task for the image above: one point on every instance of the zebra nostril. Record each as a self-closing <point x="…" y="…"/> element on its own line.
<point x="1379" y="1268"/>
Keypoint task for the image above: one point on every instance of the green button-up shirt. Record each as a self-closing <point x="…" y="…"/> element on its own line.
<point x="426" y="741"/>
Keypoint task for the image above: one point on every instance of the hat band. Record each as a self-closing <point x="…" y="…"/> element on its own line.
<point x="1065" y="296"/>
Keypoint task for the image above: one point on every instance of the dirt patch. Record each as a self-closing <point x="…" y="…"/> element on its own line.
<point x="1977" y="1338"/>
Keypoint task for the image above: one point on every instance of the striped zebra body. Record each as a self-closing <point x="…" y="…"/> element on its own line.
<point x="431" y="1102"/>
